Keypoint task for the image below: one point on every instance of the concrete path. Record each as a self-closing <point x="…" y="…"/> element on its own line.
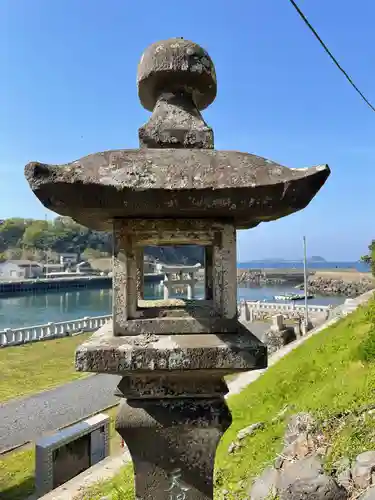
<point x="30" y="418"/>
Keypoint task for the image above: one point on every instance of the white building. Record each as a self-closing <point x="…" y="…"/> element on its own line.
<point x="20" y="269"/>
<point x="68" y="258"/>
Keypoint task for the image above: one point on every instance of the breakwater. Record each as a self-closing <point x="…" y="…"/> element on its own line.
<point x="8" y="288"/>
<point x="269" y="276"/>
<point x="331" y="286"/>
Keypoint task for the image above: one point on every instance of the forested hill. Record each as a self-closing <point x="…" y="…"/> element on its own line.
<point x="34" y="239"/>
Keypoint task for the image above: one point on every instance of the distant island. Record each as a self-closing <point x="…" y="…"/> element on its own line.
<point x="316" y="258"/>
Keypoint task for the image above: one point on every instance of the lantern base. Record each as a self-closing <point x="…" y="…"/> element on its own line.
<point x="173" y="441"/>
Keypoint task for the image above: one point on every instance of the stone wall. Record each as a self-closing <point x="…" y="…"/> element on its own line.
<point x="330" y="286"/>
<point x="298" y="471"/>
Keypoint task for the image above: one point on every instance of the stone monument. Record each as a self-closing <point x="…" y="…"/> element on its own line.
<point x="174" y="190"/>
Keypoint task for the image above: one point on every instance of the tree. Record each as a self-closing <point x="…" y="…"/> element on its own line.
<point x="11" y="232"/>
<point x="41" y="240"/>
<point x="13" y="253"/>
<point x="370" y="257"/>
<point x="36" y="235"/>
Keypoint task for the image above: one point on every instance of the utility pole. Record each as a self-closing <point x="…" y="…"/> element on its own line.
<point x="305" y="283"/>
<point x="46" y="249"/>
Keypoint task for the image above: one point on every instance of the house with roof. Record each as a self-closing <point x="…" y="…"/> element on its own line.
<point x="20" y="269"/>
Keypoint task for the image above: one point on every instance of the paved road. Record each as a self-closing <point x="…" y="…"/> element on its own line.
<point x="258" y="328"/>
<point x="30" y="418"/>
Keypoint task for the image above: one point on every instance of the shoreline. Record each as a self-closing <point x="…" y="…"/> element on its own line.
<point x="11" y="288"/>
<point x="329" y="281"/>
<point x="348" y="282"/>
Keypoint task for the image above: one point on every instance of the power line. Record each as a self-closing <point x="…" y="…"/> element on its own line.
<point x="302" y="15"/>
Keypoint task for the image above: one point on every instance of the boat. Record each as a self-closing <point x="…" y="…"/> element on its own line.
<point x="292" y="296"/>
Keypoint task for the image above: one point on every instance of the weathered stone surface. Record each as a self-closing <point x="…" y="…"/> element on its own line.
<point x="224" y="353"/>
<point x="302" y="446"/>
<point x="303" y="479"/>
<point x="275" y="340"/>
<point x="174" y="65"/>
<point x="162" y="182"/>
<point x="173" y="438"/>
<point x="171" y="386"/>
<point x="330" y="286"/>
<point x="306" y="479"/>
<point x="242" y="434"/>
<point x="176" y="123"/>
<point x="176" y="325"/>
<point x="369" y="494"/>
<point x="176" y="79"/>
<point x="249" y="430"/>
<point x="362" y="469"/>
<point x="321" y="487"/>
<point x="300" y="423"/>
<point x="265" y="486"/>
<point x="344" y="479"/>
<point x="298" y="472"/>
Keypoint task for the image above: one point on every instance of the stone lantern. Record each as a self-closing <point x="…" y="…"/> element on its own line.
<point x="175" y="189"/>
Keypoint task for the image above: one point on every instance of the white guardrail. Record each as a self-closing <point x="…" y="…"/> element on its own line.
<point x="24" y="335"/>
<point x="247" y="311"/>
<point x="256" y="310"/>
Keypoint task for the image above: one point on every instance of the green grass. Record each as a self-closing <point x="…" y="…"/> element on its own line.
<point x="17" y="468"/>
<point x="331" y="373"/>
<point x="31" y="368"/>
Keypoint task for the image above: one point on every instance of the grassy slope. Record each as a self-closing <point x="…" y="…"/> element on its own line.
<point x="38" y="366"/>
<point x="331" y="372"/>
<point x="17" y="468"/>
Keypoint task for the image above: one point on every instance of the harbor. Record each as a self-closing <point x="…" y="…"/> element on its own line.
<point x="43" y="285"/>
<point x="61" y="297"/>
<point x="26" y="309"/>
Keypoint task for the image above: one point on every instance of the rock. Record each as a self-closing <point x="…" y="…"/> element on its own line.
<point x="362" y="469"/>
<point x="232" y="447"/>
<point x="305" y="478"/>
<point x="321" y="487"/>
<point x="265" y="485"/>
<point x="344" y="479"/>
<point x="329" y="286"/>
<point x="306" y="468"/>
<point x="248" y="431"/>
<point x="298" y="424"/>
<point x="368" y="494"/>
<point x="275" y="340"/>
<point x="302" y="446"/>
<point x="343" y="473"/>
<point x="366" y="459"/>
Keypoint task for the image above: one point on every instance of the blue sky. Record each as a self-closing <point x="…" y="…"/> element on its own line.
<point x="68" y="89"/>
